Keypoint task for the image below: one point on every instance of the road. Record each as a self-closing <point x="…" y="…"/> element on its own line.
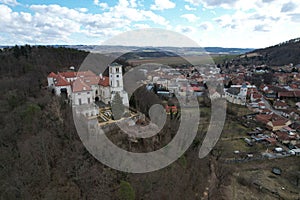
<point x="268" y="106"/>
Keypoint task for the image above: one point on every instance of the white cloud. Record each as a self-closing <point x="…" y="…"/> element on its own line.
<point x="248" y="25"/>
<point x="133" y="3"/>
<point x="189" y="8"/>
<point x="39" y="28"/>
<point x="207" y="26"/>
<point x="141" y="26"/>
<point x="190" y="17"/>
<point x="257" y="28"/>
<point x="9" y="2"/>
<point x="194" y="2"/>
<point x="82" y="10"/>
<point x="57" y="24"/>
<point x="162" y="5"/>
<point x="288" y="7"/>
<point x="102" y="5"/>
<point x="185" y="29"/>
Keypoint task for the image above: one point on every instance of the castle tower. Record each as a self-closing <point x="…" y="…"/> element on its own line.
<point x="116" y="82"/>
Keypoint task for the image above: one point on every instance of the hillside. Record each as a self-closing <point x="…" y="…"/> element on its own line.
<point x="280" y="54"/>
<point x="42" y="156"/>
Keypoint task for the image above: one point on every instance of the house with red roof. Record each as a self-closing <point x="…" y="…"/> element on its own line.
<point x="272" y="121"/>
<point x="280" y="105"/>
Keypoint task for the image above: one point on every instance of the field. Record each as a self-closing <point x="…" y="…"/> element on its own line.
<point x="195" y="60"/>
<point x="255" y="180"/>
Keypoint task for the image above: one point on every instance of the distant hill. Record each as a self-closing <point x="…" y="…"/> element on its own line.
<point x="179" y="51"/>
<point x="277" y="55"/>
<point x="148" y="53"/>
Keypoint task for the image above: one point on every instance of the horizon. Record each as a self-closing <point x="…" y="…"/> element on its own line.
<point x="103" y="45"/>
<point x="226" y="24"/>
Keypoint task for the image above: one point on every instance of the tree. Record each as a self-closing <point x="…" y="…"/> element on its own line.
<point x="117" y="107"/>
<point x="126" y="191"/>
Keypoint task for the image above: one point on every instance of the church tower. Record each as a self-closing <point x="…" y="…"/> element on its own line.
<point x="243" y="90"/>
<point x="116" y="78"/>
<point x="116" y="82"/>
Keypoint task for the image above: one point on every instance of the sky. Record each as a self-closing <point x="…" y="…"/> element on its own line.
<point x="210" y="23"/>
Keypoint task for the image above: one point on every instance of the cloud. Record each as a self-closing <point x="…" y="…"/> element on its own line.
<point x="102" y="5"/>
<point x="212" y="3"/>
<point x="9" y="2"/>
<point x="39" y="28"/>
<point x="185" y="29"/>
<point x="141" y="26"/>
<point x="58" y="24"/>
<point x="258" y="17"/>
<point x="133" y="3"/>
<point x="267" y="1"/>
<point x="288" y="7"/>
<point x="162" y="5"/>
<point x="261" y="28"/>
<point x="295" y="17"/>
<point x="194" y="2"/>
<point x="190" y="17"/>
<point x="187" y="7"/>
<point x="82" y="10"/>
<point x="207" y="26"/>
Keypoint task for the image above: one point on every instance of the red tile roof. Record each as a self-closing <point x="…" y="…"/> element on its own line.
<point x="263" y="118"/>
<point x="257" y="95"/>
<point x="104" y="81"/>
<point x="68" y="74"/>
<point x="80" y="86"/>
<point x="91" y="80"/>
<point x="280" y="104"/>
<point x="281" y="122"/>
<point x="52" y="75"/>
<point x="289" y="94"/>
<point x="271" y="140"/>
<point x="266" y="111"/>
<point x="61" y="81"/>
<point x="88" y="73"/>
<point x="282" y="135"/>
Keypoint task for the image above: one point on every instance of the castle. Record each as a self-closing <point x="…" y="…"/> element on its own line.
<point x="84" y="88"/>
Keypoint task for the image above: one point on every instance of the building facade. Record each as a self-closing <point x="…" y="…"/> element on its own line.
<point x="85" y="87"/>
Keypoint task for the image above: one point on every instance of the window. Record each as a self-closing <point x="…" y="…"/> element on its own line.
<point x="89" y="100"/>
<point x="118" y="83"/>
<point x="88" y="92"/>
<point x="79" y="93"/>
<point x="117" y="70"/>
<point x="79" y="101"/>
<point x="96" y="92"/>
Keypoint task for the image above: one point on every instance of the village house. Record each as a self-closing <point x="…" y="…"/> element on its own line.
<point x="272" y="121"/>
<point x="280" y="105"/>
